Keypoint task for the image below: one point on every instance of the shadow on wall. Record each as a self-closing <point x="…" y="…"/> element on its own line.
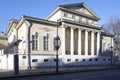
<point x="68" y="60"/>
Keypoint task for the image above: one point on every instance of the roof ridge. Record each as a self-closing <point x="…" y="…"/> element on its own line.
<point x="72" y="4"/>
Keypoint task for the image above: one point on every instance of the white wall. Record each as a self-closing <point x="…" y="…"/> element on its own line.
<point x="22" y="36"/>
<point x="80" y="61"/>
<point x="7" y="61"/>
<point x="55" y="17"/>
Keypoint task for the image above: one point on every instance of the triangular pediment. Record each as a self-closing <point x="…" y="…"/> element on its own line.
<point x="80" y="7"/>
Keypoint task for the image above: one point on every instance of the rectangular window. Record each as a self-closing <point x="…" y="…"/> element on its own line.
<point x="73" y="16"/>
<point x="65" y="14"/>
<point x="83" y="60"/>
<point x="35" y="42"/>
<point x="90" y="59"/>
<point x="80" y="19"/>
<point x="87" y="21"/>
<point x="24" y="57"/>
<point x="76" y="60"/>
<point x="45" y="60"/>
<point x="45" y="42"/>
<point x="96" y="59"/>
<point x="34" y="60"/>
<point x="68" y="60"/>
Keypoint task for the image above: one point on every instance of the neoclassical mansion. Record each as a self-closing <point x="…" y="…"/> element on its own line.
<point x="82" y="42"/>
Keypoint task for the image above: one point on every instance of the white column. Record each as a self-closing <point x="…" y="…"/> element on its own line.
<point x="79" y="41"/>
<point x="92" y="43"/>
<point x="72" y="41"/>
<point x="86" y="42"/>
<point x="63" y="41"/>
<point x="98" y="43"/>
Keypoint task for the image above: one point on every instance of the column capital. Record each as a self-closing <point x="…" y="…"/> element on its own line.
<point x="86" y="30"/>
<point x="99" y="32"/>
<point x="64" y="26"/>
<point x="93" y="31"/>
<point x="73" y="28"/>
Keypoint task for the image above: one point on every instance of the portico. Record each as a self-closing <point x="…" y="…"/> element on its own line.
<point x="80" y="41"/>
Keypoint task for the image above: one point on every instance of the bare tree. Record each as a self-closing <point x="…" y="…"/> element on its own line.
<point x="113" y="27"/>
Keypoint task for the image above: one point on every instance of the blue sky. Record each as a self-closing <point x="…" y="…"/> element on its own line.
<point x="10" y="9"/>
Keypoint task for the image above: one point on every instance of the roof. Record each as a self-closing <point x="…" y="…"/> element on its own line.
<point x="107" y="34"/>
<point x="29" y="18"/>
<point x="10" y="22"/>
<point x="38" y="20"/>
<point x="67" y="6"/>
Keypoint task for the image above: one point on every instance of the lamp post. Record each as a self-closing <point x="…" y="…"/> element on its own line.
<point x="57" y="44"/>
<point x="111" y="55"/>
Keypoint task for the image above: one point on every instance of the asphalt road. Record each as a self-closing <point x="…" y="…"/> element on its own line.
<point x="113" y="74"/>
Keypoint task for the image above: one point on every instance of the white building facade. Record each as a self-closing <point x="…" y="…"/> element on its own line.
<point x="80" y="35"/>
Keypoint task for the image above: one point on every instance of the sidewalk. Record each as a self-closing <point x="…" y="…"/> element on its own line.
<point x="49" y="71"/>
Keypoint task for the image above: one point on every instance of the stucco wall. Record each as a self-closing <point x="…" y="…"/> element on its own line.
<point x="22" y="36"/>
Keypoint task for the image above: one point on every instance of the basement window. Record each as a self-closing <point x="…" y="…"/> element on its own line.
<point x="109" y="59"/>
<point x="96" y="59"/>
<point x="45" y="60"/>
<point x="76" y="60"/>
<point x="24" y="57"/>
<point x="90" y="59"/>
<point x="34" y="60"/>
<point x="104" y="59"/>
<point x="83" y="60"/>
<point x="68" y="60"/>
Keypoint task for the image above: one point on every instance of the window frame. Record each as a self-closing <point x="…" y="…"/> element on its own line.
<point x="35" y="41"/>
<point x="46" y="42"/>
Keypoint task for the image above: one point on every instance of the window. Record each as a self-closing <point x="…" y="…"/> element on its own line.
<point x="73" y="16"/>
<point x="68" y="60"/>
<point x="87" y="21"/>
<point x="24" y="57"/>
<point x="104" y="59"/>
<point x="45" y="60"/>
<point x="65" y="14"/>
<point x="96" y="59"/>
<point x="54" y="60"/>
<point x="83" y="60"/>
<point x="109" y="59"/>
<point x="80" y="19"/>
<point x="92" y="22"/>
<point x="35" y="41"/>
<point x="45" y="42"/>
<point x="90" y="59"/>
<point x="34" y="60"/>
<point x="76" y="60"/>
<point x="67" y="53"/>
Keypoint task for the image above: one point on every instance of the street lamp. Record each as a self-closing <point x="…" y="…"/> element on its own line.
<point x="111" y="55"/>
<point x="57" y="44"/>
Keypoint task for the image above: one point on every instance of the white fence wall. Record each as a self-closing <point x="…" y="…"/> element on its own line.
<point x="7" y="61"/>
